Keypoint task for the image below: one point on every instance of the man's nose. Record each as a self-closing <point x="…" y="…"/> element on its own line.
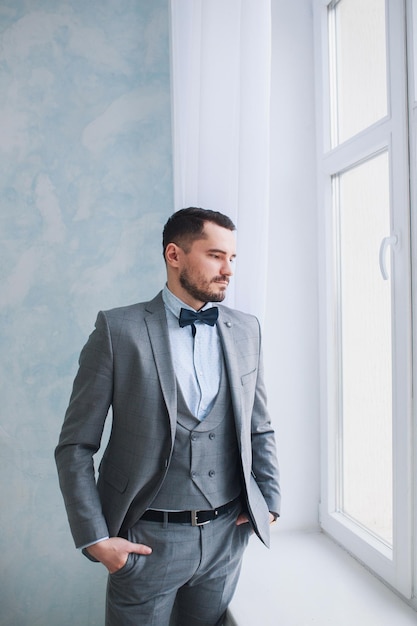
<point x="227" y="269"/>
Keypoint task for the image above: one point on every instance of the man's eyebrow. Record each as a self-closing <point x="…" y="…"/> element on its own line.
<point x="220" y="251"/>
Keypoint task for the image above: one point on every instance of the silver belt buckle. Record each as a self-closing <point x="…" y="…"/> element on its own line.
<point x="194" y="519"/>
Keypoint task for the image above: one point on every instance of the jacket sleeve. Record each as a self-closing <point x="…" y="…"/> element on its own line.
<point x="265" y="467"/>
<point x="81" y="436"/>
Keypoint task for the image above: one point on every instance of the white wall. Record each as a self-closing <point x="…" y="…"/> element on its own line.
<point x="215" y="169"/>
<point x="221" y="161"/>
<point x="291" y="324"/>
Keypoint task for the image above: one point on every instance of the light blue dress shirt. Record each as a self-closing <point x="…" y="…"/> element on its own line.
<point x="196" y="360"/>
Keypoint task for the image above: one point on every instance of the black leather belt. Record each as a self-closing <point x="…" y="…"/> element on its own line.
<point x="195" y="518"/>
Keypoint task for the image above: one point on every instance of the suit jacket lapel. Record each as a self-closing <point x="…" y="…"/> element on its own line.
<point x="159" y="339"/>
<point x="228" y="338"/>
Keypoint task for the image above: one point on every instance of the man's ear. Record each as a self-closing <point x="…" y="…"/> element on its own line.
<point x="172" y="253"/>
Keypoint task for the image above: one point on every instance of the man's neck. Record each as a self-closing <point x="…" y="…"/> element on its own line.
<point x="185" y="297"/>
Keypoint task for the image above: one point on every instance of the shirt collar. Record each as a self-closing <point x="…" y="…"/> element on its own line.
<point x="174" y="304"/>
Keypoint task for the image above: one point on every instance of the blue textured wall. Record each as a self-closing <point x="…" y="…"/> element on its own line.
<point x="85" y="187"/>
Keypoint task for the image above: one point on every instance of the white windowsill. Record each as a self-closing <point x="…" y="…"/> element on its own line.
<point x="305" y="578"/>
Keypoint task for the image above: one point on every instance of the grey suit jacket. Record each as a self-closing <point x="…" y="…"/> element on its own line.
<point x="126" y="365"/>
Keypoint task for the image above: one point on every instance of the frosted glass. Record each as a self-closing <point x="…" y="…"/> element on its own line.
<point x="358" y="62"/>
<point x="362" y="199"/>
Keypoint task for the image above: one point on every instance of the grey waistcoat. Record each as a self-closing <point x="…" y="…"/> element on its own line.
<point x="204" y="468"/>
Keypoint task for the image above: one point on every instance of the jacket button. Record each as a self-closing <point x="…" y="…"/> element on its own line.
<point x="193" y="474"/>
<point x="212" y="473"/>
<point x="193" y="437"/>
<point x="212" y="436"/>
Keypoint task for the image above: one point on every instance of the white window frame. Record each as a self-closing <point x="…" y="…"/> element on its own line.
<point x="390" y="133"/>
<point x="412" y="107"/>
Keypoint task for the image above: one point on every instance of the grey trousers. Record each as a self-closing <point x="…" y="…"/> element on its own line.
<point x="188" y="580"/>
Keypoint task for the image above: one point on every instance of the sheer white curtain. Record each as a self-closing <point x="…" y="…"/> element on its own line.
<point x="221" y="52"/>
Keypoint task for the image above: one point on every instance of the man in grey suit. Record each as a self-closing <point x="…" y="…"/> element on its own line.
<point x="190" y="469"/>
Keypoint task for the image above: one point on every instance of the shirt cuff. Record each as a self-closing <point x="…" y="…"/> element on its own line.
<point x="93" y="543"/>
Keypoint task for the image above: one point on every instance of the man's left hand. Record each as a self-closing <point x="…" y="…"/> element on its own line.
<point x="243" y="519"/>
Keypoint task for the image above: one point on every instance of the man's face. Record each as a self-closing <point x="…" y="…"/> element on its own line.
<point x="205" y="270"/>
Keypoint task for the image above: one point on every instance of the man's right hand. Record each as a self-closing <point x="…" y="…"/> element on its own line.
<point x="113" y="552"/>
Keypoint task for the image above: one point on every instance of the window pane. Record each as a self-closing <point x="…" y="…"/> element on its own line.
<point x="358" y="62"/>
<point x="362" y="202"/>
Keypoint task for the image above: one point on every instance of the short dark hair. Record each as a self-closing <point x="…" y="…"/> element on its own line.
<point x="187" y="225"/>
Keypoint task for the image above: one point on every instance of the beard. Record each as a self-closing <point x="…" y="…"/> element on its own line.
<point x="202" y="290"/>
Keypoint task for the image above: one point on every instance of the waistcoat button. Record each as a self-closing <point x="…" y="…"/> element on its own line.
<point x="212" y="436"/>
<point x="211" y="473"/>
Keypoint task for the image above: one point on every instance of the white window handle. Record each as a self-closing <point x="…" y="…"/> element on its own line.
<point x="387" y="241"/>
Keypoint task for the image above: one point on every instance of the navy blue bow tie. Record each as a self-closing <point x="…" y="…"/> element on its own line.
<point x="188" y="317"/>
